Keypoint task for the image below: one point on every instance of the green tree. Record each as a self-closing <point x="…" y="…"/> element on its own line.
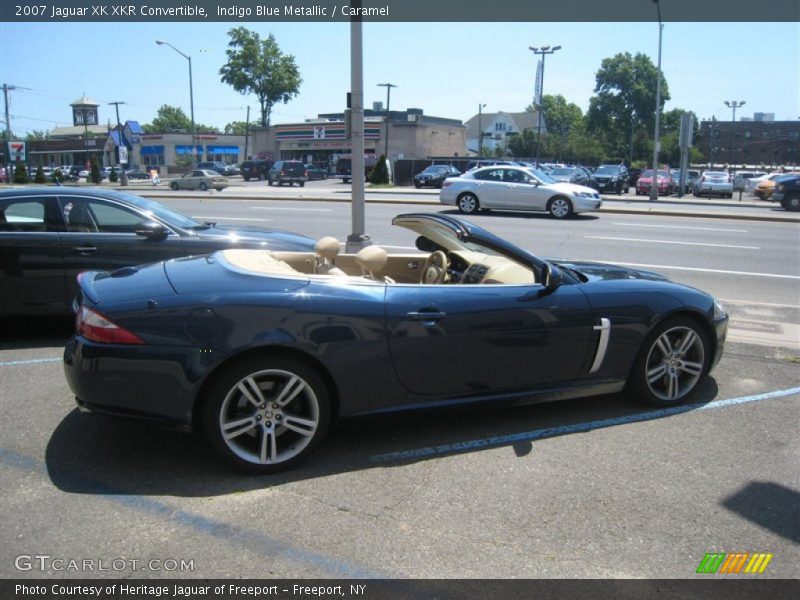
<point x="36" y="135"/>
<point x="258" y="67"/>
<point x="624" y="100"/>
<point x="113" y="177"/>
<point x="39" y="176"/>
<point x="94" y="172"/>
<point x="20" y="173"/>
<point x="379" y="174"/>
<point x="560" y="118"/>
<point x="236" y="128"/>
<point x="173" y="119"/>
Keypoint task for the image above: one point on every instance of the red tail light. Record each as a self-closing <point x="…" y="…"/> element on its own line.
<point x="95" y="327"/>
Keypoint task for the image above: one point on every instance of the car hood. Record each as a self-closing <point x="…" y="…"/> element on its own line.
<point x="275" y="239"/>
<point x="572" y="188"/>
<point x="595" y="271"/>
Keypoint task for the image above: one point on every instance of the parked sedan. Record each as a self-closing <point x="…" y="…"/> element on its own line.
<point x="434" y="176"/>
<point x="714" y="183"/>
<point x="574" y="175"/>
<point x="764" y="189"/>
<point x="260" y="352"/>
<point x="200" y="179"/>
<point x="313" y="172"/>
<point x="48" y="235"/>
<point x="663" y="181"/>
<point x="517" y="188"/>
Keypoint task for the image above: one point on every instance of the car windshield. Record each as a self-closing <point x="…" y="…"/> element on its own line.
<point x="607" y="170"/>
<point x="562" y="172"/>
<point x="541" y="176"/>
<point x="435" y="169"/>
<point x="649" y="173"/>
<point x="160" y="211"/>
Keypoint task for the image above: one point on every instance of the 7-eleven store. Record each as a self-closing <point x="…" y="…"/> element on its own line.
<point x="320" y="142"/>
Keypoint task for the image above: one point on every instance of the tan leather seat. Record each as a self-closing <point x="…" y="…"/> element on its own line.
<point x="372" y="260"/>
<point x="327" y="249"/>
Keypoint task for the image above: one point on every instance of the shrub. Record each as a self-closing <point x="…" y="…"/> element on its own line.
<point x="113" y="177"/>
<point x="39" y="177"/>
<point x="94" y="175"/>
<point x="20" y="173"/>
<point x="379" y="173"/>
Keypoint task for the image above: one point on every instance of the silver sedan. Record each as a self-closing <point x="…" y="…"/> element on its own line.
<point x="517" y="188"/>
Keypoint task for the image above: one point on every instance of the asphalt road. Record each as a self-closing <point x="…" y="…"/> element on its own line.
<point x="599" y="487"/>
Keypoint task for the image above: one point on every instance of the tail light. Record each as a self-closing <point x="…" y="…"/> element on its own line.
<point x="96" y="327"/>
<point x="305" y="173"/>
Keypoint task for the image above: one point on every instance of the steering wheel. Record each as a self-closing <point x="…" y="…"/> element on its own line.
<point x="435" y="268"/>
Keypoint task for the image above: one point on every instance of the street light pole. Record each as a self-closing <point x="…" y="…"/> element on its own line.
<point x="543" y="51"/>
<point x="191" y="96"/>
<point x="124" y="176"/>
<point x="480" y="130"/>
<point x="388" y="87"/>
<point x="656" y="142"/>
<point x="734" y="105"/>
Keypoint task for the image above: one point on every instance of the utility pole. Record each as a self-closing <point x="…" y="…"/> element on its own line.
<point x="246" y="132"/>
<point x="124" y="175"/>
<point x="7" y="87"/>
<point x="656" y="142"/>
<point x="734" y="105"/>
<point x="480" y="129"/>
<point x="388" y="87"/>
<point x="543" y="51"/>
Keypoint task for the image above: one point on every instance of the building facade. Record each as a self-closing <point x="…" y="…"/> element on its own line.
<point x="768" y="144"/>
<point x="497" y="128"/>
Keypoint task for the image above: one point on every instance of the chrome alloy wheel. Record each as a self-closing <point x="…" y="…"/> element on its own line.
<point x="269" y="417"/>
<point x="675" y="363"/>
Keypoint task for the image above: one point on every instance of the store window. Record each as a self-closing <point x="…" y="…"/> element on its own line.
<point x="152" y="155"/>
<point x="224" y="154"/>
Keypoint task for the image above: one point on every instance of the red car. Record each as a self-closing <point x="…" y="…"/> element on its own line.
<point x="666" y="184"/>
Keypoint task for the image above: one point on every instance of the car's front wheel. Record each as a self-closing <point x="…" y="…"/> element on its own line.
<point x="559" y="207"/>
<point x="673" y="359"/>
<point x="203" y="186"/>
<point x="468" y="203"/>
<point x="174" y="185"/>
<point x="791" y="202"/>
<point x="266" y="414"/>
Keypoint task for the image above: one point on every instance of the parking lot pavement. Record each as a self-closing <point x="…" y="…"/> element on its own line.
<point x="598" y="487"/>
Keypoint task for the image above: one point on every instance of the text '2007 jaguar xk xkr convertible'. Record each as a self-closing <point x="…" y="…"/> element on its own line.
<point x="261" y="350"/>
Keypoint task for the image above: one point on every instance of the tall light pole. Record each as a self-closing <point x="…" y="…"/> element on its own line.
<point x="191" y="95"/>
<point x="388" y="87"/>
<point x="543" y="51"/>
<point x="656" y="141"/>
<point x="124" y="176"/>
<point x="480" y="129"/>
<point x="733" y="104"/>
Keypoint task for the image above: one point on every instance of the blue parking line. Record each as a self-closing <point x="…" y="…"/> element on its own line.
<point x="32" y="361"/>
<point x="537" y="434"/>
<point x="248" y="538"/>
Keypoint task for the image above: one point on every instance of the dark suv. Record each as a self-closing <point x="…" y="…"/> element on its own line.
<point x="287" y="171"/>
<point x="255" y="169"/>
<point x="610" y="178"/>
<point x="787" y="192"/>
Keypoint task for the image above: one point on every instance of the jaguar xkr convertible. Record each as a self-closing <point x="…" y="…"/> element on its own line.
<point x="261" y="351"/>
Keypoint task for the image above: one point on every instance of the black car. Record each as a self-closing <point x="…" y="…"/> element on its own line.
<point x="219" y="167"/>
<point x="287" y="171"/>
<point x="260" y="351"/>
<point x="787" y="192"/>
<point x="49" y="235"/>
<point x="316" y="172"/>
<point x="610" y="178"/>
<point x="574" y="175"/>
<point x="255" y="169"/>
<point x="434" y="176"/>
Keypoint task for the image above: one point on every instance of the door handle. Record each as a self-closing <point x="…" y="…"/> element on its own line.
<point x="85" y="249"/>
<point x="427" y="318"/>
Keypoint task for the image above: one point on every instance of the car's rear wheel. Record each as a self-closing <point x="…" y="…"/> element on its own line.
<point x="559" y="207"/>
<point x="174" y="185"/>
<point x="203" y="186"/>
<point x="468" y="203"/>
<point x="671" y="362"/>
<point x="301" y="183"/>
<point x="266" y="414"/>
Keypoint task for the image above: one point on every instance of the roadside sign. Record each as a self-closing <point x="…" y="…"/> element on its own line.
<point x="123" y="155"/>
<point x="16" y="152"/>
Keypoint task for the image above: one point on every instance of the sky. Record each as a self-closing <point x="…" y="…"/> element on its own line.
<point x="446" y="69"/>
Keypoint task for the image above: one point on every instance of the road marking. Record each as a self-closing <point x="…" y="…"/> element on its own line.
<point x="681" y="227"/>
<point x="250" y="539"/>
<point x="292" y="208"/>
<point x="618" y="239"/>
<point x="537" y="434"/>
<point x="234" y="218"/>
<point x="756" y="303"/>
<point x="699" y="270"/>
<point x="32" y="361"/>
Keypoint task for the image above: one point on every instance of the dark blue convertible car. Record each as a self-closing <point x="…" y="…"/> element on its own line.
<point x="262" y="350"/>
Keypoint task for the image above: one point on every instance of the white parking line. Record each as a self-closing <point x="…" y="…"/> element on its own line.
<point x="699" y="270"/>
<point x="641" y="241"/>
<point x="681" y="227"/>
<point x="291" y="208"/>
<point x="757" y="303"/>
<point x="233" y="218"/>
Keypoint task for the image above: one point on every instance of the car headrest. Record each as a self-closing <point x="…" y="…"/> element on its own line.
<point x="328" y="247"/>
<point x="372" y="259"/>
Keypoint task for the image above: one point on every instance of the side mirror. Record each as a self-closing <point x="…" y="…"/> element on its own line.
<point x="151" y="230"/>
<point x="551" y="279"/>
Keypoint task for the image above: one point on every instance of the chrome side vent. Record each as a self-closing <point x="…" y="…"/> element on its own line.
<point x="602" y="346"/>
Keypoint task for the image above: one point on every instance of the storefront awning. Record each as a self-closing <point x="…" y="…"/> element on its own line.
<point x="152" y="150"/>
